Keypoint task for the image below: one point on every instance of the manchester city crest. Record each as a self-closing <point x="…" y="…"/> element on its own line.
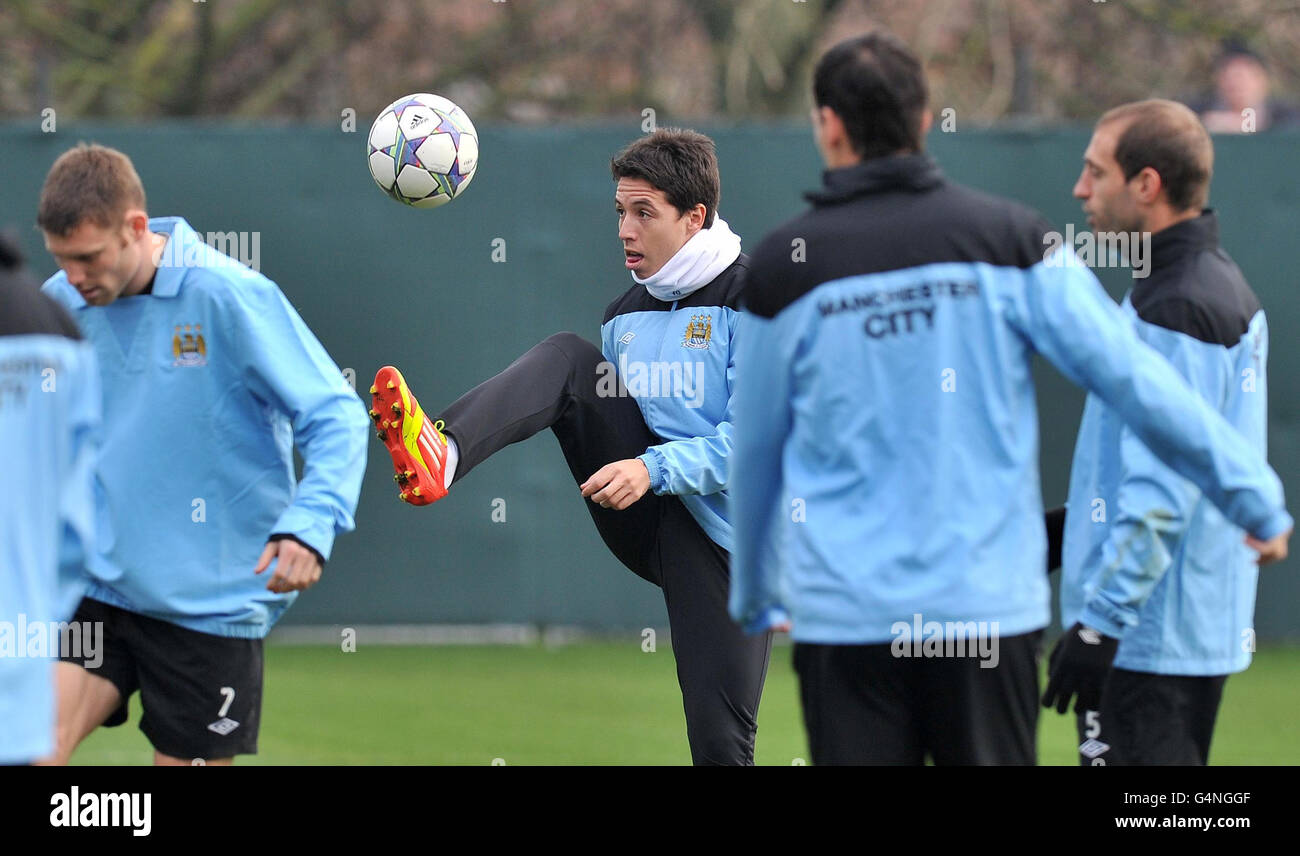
<point x="698" y="332"/>
<point x="188" y="348"/>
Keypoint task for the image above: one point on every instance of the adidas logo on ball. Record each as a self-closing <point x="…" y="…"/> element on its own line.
<point x="422" y="150"/>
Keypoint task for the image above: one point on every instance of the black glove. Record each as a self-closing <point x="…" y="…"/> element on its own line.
<point x="1079" y="664"/>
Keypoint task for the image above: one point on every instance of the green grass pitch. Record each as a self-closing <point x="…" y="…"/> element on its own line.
<point x="592" y="703"/>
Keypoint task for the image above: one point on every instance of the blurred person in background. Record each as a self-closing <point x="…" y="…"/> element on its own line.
<point x="1241" y="103"/>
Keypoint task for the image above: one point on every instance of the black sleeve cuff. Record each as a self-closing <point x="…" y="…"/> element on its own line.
<point x="280" y="536"/>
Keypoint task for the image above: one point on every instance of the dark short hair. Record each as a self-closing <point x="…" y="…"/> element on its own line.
<point x="1169" y="138"/>
<point x="876" y="85"/>
<point x="1234" y="48"/>
<point x="681" y="163"/>
<point x="88" y="183"/>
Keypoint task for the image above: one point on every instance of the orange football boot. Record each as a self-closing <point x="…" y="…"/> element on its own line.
<point x="417" y="446"/>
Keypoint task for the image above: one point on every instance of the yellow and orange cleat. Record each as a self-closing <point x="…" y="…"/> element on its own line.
<point x="417" y="446"/>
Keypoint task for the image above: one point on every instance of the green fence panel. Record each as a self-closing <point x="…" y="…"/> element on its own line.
<point x="453" y="295"/>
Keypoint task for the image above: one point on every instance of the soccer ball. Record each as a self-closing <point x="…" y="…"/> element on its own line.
<point x="423" y="150"/>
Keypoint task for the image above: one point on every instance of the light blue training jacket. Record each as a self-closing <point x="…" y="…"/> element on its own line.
<point x="678" y="360"/>
<point x="1147" y="557"/>
<point x="49" y="427"/>
<point x="209" y="382"/>
<point x="885" y="460"/>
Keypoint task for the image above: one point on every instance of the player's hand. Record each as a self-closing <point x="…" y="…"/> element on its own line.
<point x="1272" y="550"/>
<point x="298" y="569"/>
<point x="617" y="485"/>
<point x="1079" y="665"/>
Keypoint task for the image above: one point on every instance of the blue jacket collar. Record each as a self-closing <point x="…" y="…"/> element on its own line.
<point x="172" y="265"/>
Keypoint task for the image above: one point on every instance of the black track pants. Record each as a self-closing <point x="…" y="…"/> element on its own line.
<point x="558" y="385"/>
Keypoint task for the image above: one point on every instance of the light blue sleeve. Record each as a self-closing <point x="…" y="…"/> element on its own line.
<point x="287" y="366"/>
<point x="698" y="465"/>
<point x="1067" y="316"/>
<point x="1153" y="503"/>
<point x="78" y="493"/>
<point x="756" y="503"/>
<point x="694" y="466"/>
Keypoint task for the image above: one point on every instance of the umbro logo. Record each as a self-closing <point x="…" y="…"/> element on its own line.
<point x="1089" y="636"/>
<point x="223" y="726"/>
<point x="1092" y="747"/>
<point x="627" y="338"/>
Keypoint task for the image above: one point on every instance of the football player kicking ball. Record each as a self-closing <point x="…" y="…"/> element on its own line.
<point x="652" y="462"/>
<point x="209" y="378"/>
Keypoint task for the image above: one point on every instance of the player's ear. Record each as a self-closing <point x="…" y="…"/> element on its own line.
<point x="697" y="216"/>
<point x="135" y="223"/>
<point x="835" y="133"/>
<point x="927" y="119"/>
<point x="1147" y="184"/>
<point x="832" y="126"/>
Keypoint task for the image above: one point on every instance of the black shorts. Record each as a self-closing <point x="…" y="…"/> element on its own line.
<point x="202" y="694"/>
<point x="1150" y="719"/>
<point x="864" y="705"/>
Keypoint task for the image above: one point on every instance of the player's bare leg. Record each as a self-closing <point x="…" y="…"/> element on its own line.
<point x="85" y="700"/>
